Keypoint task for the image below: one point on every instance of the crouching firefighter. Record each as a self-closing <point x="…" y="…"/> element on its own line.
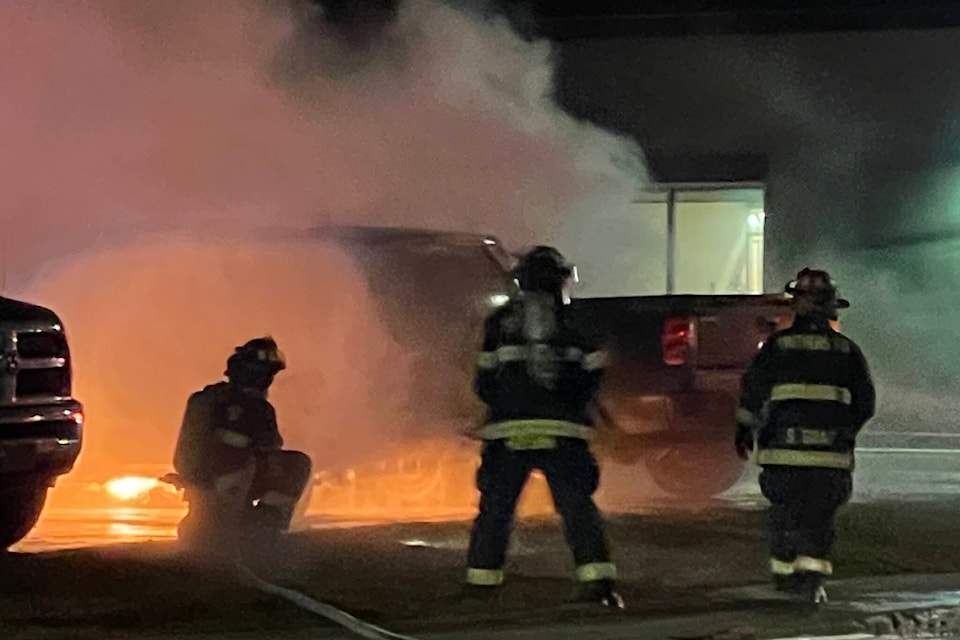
<point x="803" y="401"/>
<point x="538" y="379"/>
<point x="228" y="458"/>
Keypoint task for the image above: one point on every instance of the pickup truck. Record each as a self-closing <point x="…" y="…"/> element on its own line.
<point x="41" y="424"/>
<point x="667" y="404"/>
<point x="670" y="392"/>
<point x="668" y="401"/>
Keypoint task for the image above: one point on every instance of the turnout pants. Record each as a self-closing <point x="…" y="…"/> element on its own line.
<point x="264" y="492"/>
<point x="800" y="522"/>
<point x="572" y="474"/>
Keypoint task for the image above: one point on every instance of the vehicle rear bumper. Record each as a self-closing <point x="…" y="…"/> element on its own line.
<point x="40" y="440"/>
<point x="710" y="413"/>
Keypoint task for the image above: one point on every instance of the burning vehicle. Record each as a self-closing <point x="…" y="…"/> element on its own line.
<point x="388" y="422"/>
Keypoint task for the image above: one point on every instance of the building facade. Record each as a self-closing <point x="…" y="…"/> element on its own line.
<point x="851" y="135"/>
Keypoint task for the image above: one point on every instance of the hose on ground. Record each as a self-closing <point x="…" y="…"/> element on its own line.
<point x="305" y="602"/>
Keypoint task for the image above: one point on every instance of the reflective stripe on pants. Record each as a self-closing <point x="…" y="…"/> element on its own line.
<point x="806" y="458"/>
<point x="802" y="563"/>
<point x="814" y="565"/>
<point x="594" y="571"/>
<point x="800" y="520"/>
<point x="572" y="475"/>
<point x="781" y="567"/>
<point x="485" y="577"/>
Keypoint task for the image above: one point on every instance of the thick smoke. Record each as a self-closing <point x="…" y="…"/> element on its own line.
<point x="148" y="144"/>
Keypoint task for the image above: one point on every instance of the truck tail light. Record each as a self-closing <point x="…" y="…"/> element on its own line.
<point x="678" y="340"/>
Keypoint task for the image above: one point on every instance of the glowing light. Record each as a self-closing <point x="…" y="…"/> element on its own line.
<point x="755" y="220"/>
<point x="499" y="299"/>
<point x="489" y="241"/>
<point x="130" y="487"/>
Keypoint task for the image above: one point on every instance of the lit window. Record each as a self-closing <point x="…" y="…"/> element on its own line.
<point x="713" y="237"/>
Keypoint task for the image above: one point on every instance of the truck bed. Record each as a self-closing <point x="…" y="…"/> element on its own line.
<point x="725" y="334"/>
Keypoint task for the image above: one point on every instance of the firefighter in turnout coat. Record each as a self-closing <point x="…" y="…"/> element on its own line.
<point x="538" y="379"/>
<point x="803" y="401"/>
<point x="229" y="455"/>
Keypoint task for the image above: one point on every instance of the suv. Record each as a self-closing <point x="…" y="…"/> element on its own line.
<point x="41" y="424"/>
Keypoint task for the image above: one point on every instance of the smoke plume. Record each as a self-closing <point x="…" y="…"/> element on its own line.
<point x="149" y="144"/>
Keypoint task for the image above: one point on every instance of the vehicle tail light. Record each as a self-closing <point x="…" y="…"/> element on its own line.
<point x="678" y="340"/>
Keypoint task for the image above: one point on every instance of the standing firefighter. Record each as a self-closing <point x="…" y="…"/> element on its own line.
<point x="538" y="380"/>
<point x="804" y="399"/>
<point x="229" y="455"/>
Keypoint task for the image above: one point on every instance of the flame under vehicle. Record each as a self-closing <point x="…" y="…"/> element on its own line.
<point x="41" y="424"/>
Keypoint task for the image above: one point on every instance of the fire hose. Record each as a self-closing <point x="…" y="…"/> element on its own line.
<point x="311" y="605"/>
<point x="305" y="602"/>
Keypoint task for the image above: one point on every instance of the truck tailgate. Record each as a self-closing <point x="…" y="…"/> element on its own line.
<point x="727" y="331"/>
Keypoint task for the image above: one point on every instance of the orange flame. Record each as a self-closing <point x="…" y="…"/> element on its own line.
<point x="129" y="488"/>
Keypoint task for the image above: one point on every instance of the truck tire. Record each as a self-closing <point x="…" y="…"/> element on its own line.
<point x="20" y="509"/>
<point x="696" y="472"/>
<point x="702" y="462"/>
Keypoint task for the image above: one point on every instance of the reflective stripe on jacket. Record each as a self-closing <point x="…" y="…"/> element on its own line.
<point x="542" y="386"/>
<point x="806" y="395"/>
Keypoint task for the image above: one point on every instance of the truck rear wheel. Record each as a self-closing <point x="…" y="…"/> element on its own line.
<point x="20" y="509"/>
<point x="696" y="471"/>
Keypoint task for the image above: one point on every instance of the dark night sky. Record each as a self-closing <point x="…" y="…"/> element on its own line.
<point x="563" y="19"/>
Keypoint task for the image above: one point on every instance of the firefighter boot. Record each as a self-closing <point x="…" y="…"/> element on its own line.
<point x="600" y="592"/>
<point x="206" y="530"/>
<point x="812" y="590"/>
<point x="791" y="583"/>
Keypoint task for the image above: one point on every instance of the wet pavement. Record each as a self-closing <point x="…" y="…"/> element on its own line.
<point x="883" y="473"/>
<point x="892" y="606"/>
<point x="684" y="574"/>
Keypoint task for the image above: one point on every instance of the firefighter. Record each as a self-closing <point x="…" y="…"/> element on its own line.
<point x="804" y="399"/>
<point x="538" y="379"/>
<point x="229" y="457"/>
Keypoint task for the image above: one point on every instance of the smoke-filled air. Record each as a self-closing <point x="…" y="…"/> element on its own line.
<point x="162" y="159"/>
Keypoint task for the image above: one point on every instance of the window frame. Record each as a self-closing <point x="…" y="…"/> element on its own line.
<point x="669" y="190"/>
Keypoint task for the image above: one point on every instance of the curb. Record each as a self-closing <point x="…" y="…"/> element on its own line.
<point x="936" y="622"/>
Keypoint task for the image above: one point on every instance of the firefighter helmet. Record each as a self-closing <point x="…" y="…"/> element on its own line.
<point x="256" y="362"/>
<point x="814" y="291"/>
<point x="543" y="269"/>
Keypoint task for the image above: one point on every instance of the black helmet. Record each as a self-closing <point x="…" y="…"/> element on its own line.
<point x="814" y="292"/>
<point x="543" y="269"/>
<point x="256" y="363"/>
